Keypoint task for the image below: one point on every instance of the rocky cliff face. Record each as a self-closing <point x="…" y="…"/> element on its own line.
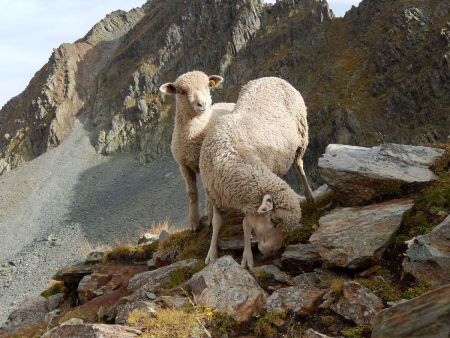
<point x="381" y="73"/>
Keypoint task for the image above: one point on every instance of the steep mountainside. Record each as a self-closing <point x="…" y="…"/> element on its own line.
<point x="381" y="73"/>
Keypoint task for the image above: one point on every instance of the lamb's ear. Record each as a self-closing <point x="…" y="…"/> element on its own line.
<point x="215" y="80"/>
<point x="266" y="205"/>
<point x="168" y="89"/>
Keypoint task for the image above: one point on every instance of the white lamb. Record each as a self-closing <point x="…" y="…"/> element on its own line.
<point x="194" y="117"/>
<point x="242" y="156"/>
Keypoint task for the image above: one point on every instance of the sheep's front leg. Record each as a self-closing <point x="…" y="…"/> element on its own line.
<point x="247" y="256"/>
<point x="190" y="178"/>
<point x="217" y="224"/>
<point x="308" y="192"/>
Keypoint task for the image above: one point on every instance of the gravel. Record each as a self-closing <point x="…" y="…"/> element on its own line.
<point x="56" y="208"/>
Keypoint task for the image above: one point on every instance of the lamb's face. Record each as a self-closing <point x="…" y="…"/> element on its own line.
<point x="194" y="88"/>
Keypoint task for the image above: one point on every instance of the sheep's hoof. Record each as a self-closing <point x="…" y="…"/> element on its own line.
<point x="211" y="257"/>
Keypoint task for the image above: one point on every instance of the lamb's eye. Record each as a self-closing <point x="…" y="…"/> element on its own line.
<point x="269" y="200"/>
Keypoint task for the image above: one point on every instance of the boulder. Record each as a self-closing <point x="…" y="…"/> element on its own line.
<point x="424" y="316"/>
<point x="356" y="237"/>
<point x="74" y="329"/>
<point x="359" y="174"/>
<point x="300" y="301"/>
<point x="428" y="256"/>
<point x="148" y="238"/>
<point x="31" y="312"/>
<point x="91" y="285"/>
<point x="235" y="244"/>
<point x="299" y="258"/>
<point x="54" y="301"/>
<point x="226" y="286"/>
<point x="356" y="303"/>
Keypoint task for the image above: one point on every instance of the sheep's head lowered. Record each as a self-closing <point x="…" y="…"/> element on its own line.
<point x="270" y="224"/>
<point x="193" y="89"/>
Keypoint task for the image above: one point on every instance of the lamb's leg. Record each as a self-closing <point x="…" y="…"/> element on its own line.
<point x="299" y="166"/>
<point x="217" y="224"/>
<point x="190" y="178"/>
<point x="247" y="256"/>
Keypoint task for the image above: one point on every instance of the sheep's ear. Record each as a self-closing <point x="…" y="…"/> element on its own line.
<point x="266" y="205"/>
<point x="168" y="88"/>
<point x="215" y="80"/>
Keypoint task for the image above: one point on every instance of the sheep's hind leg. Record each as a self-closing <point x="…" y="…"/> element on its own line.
<point x="299" y="166"/>
<point x="247" y="255"/>
<point x="190" y="178"/>
<point x="217" y="224"/>
<point x="209" y="212"/>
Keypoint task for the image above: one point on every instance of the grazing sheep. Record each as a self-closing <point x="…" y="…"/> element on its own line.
<point x="244" y="153"/>
<point x="194" y="117"/>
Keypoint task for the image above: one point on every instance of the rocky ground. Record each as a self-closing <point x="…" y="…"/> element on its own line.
<point x="371" y="258"/>
<point x="59" y="206"/>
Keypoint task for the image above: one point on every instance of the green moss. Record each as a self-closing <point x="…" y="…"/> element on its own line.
<point x="269" y="324"/>
<point x="131" y="253"/>
<point x="181" y="275"/>
<point x="355" y="332"/>
<point x="223" y="321"/>
<point x="416" y="290"/>
<point x="57" y="287"/>
<point x="382" y="285"/>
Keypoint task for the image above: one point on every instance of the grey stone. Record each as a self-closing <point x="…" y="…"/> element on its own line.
<point x="300" y="258"/>
<point x="310" y="333"/>
<point x="224" y="285"/>
<point x="359" y="174"/>
<point x="31" y="312"/>
<point x="95" y="257"/>
<point x="273" y="273"/>
<point x="70" y="330"/>
<point x="428" y="257"/>
<point x="356" y="303"/>
<point x="422" y="317"/>
<point x="151" y="281"/>
<point x="54" y="301"/>
<point x="356" y="237"/>
<point x="300" y="301"/>
<point x="124" y="310"/>
<point x="148" y="238"/>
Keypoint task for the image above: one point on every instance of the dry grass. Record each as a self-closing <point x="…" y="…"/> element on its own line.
<point x="55" y="288"/>
<point x="337" y="285"/>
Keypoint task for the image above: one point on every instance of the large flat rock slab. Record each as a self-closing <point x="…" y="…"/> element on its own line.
<point x="356" y="237"/>
<point x="422" y="317"/>
<point x="226" y="286"/>
<point x="359" y="174"/>
<point x="428" y="256"/>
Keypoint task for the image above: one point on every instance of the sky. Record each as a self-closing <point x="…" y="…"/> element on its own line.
<point x="30" y="29"/>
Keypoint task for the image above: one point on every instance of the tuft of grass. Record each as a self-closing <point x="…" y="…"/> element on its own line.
<point x="131" y="253"/>
<point x="222" y="321"/>
<point x="269" y="324"/>
<point x="337" y="286"/>
<point x="167" y="323"/>
<point x="416" y="290"/>
<point x="355" y="332"/>
<point x="55" y="288"/>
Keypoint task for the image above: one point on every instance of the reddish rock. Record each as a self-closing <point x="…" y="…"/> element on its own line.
<point x="356" y="237"/>
<point x="422" y="317"/>
<point x="357" y="303"/>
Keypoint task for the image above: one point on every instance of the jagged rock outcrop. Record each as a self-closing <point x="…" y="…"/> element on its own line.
<point x="356" y="93"/>
<point x="355" y="237"/>
<point x="428" y="256"/>
<point x="359" y="174"/>
<point x="424" y="316"/>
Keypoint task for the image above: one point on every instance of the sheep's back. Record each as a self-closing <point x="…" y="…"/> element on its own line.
<point x="273" y="116"/>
